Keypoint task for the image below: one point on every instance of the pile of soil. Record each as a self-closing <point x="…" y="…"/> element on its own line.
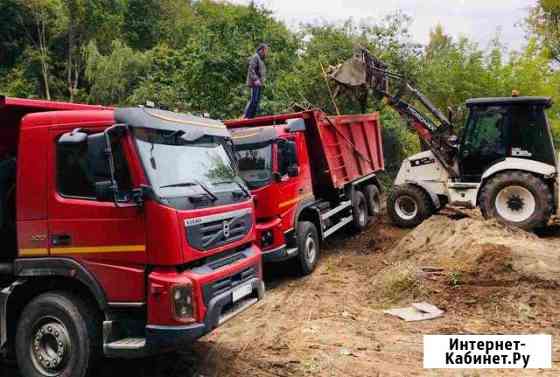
<point x="484" y="250"/>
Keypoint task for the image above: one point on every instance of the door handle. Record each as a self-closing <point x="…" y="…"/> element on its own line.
<point x="61" y="240"/>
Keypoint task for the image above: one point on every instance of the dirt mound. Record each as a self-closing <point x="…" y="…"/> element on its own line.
<point x="468" y="251"/>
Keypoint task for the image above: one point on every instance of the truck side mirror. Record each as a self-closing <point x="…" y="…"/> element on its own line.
<point x="74" y="137"/>
<point x="293" y="171"/>
<point x="104" y="191"/>
<point x="97" y="157"/>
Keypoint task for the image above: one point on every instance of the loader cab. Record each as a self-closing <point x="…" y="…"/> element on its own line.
<point x="500" y="128"/>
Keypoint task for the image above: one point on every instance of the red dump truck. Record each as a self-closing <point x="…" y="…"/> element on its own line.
<point x="124" y="232"/>
<point x="312" y="175"/>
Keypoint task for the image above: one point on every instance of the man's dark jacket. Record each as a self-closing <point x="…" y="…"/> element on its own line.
<point x="256" y="71"/>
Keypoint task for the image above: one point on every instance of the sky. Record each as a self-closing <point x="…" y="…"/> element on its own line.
<point x="477" y="19"/>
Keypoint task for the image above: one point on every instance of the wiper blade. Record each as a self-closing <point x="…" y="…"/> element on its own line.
<point x="240" y="185"/>
<point x="243" y="188"/>
<point x="212" y="196"/>
<point x="182" y="184"/>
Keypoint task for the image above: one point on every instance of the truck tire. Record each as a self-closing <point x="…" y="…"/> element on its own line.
<point x="359" y="211"/>
<point x="307" y="239"/>
<point x="58" y="334"/>
<point x="517" y="198"/>
<point x="373" y="198"/>
<point x="409" y="205"/>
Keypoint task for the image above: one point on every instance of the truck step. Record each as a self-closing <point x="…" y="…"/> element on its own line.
<point x="336" y="210"/>
<point x="337" y="226"/>
<point x="127" y="344"/>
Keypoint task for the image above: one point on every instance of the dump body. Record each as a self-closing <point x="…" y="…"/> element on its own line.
<point x="345" y="148"/>
<point x="303" y="166"/>
<point x="341" y="148"/>
<point x="99" y="202"/>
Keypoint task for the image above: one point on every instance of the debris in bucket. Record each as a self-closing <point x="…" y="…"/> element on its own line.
<point x="419" y="311"/>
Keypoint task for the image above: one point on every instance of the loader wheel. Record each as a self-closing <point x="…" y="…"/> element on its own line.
<point x="359" y="211"/>
<point x="409" y="205"/>
<point x="517" y="198"/>
<point x="307" y="239"/>
<point x="373" y="198"/>
<point x="57" y="335"/>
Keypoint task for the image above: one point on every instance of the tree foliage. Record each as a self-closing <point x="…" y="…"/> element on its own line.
<point x="192" y="56"/>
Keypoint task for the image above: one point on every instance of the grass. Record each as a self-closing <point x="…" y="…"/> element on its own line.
<point x="398" y="283"/>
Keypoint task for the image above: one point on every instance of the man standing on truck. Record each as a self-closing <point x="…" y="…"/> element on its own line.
<point x="256" y="75"/>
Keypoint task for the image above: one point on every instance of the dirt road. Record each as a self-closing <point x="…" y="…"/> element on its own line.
<point x="331" y="323"/>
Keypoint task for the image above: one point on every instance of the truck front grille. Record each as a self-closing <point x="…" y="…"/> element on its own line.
<point x="216" y="230"/>
<point x="218" y="287"/>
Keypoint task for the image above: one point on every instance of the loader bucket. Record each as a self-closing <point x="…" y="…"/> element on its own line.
<point x="350" y="73"/>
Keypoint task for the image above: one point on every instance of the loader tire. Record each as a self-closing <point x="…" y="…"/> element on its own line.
<point x="373" y="198"/>
<point x="409" y="205"/>
<point x="517" y="198"/>
<point x="58" y="334"/>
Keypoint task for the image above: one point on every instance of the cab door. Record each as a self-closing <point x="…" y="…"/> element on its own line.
<point x="108" y="238"/>
<point x="292" y="174"/>
<point x="486" y="140"/>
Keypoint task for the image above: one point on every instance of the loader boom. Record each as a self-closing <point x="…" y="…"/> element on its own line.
<point x="366" y="72"/>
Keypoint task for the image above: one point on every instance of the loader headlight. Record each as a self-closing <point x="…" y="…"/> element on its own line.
<point x="183" y="302"/>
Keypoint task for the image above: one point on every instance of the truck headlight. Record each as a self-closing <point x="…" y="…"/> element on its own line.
<point x="267" y="238"/>
<point x="183" y="302"/>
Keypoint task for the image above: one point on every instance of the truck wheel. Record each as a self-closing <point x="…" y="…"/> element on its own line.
<point x="373" y="198"/>
<point x="359" y="211"/>
<point x="409" y="205"/>
<point x="308" y="246"/>
<point x="517" y="198"/>
<point x="57" y="335"/>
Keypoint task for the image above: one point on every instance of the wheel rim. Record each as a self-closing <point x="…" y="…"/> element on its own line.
<point x="515" y="204"/>
<point x="50" y="346"/>
<point x="362" y="216"/>
<point x="310" y="250"/>
<point x="406" y="207"/>
<point x="376" y="204"/>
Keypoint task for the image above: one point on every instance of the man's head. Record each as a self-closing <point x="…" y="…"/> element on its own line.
<point x="262" y="50"/>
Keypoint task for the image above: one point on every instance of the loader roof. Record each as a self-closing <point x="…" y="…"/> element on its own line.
<point x="545" y="101"/>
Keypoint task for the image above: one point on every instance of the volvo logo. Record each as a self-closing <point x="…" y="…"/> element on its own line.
<point x="225" y="229"/>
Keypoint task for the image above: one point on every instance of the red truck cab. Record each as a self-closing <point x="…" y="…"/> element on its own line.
<point x="127" y="232"/>
<point x="311" y="175"/>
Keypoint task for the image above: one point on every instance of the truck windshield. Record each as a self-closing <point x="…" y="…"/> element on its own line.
<point x="180" y="168"/>
<point x="255" y="164"/>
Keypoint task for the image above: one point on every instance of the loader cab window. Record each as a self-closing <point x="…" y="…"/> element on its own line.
<point x="531" y="137"/>
<point x="76" y="175"/>
<point x="485" y="141"/>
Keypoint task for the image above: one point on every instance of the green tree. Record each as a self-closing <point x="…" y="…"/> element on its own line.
<point x="112" y="77"/>
<point x="544" y="21"/>
<point x="40" y="28"/>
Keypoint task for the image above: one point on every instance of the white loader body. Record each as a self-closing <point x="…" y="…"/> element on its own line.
<point x="424" y="170"/>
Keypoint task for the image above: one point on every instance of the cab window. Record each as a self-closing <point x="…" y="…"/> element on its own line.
<point x="287" y="156"/>
<point x="77" y="172"/>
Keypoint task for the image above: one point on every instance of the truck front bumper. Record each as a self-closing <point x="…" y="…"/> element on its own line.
<point x="220" y="309"/>
<point x="222" y="289"/>
<point x="160" y="339"/>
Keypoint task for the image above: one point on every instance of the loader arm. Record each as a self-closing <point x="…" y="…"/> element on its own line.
<point x="365" y="72"/>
